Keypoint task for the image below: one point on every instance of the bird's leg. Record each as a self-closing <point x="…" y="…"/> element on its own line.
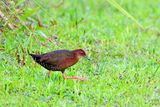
<point x="73" y="77"/>
<point x="49" y="72"/>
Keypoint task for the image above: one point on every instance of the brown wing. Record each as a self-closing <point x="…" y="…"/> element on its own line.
<point x="55" y="58"/>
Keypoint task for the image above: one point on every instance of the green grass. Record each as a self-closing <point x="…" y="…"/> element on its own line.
<point x="125" y="59"/>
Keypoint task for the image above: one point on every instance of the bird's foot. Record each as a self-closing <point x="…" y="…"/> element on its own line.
<point x="79" y="78"/>
<point x="49" y="72"/>
<point x="73" y="77"/>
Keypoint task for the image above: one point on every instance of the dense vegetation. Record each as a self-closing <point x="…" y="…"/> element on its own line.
<point x="125" y="52"/>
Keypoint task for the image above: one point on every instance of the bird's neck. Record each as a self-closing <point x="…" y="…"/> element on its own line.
<point x="78" y="57"/>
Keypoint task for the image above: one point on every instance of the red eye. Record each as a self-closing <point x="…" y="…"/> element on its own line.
<point x="82" y="53"/>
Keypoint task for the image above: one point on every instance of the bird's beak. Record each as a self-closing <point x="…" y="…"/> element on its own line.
<point x="87" y="58"/>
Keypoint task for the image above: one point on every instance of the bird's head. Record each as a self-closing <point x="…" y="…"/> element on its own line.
<point x="80" y="53"/>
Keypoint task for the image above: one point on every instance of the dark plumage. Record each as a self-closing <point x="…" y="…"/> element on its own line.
<point x="59" y="60"/>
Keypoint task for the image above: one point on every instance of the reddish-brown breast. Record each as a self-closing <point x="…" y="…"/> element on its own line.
<point x="68" y="62"/>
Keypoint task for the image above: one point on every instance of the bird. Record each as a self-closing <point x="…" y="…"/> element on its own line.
<point x="59" y="60"/>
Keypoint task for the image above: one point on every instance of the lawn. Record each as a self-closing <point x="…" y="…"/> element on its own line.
<point x="125" y="65"/>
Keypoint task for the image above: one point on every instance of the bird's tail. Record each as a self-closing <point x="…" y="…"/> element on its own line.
<point x="36" y="57"/>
